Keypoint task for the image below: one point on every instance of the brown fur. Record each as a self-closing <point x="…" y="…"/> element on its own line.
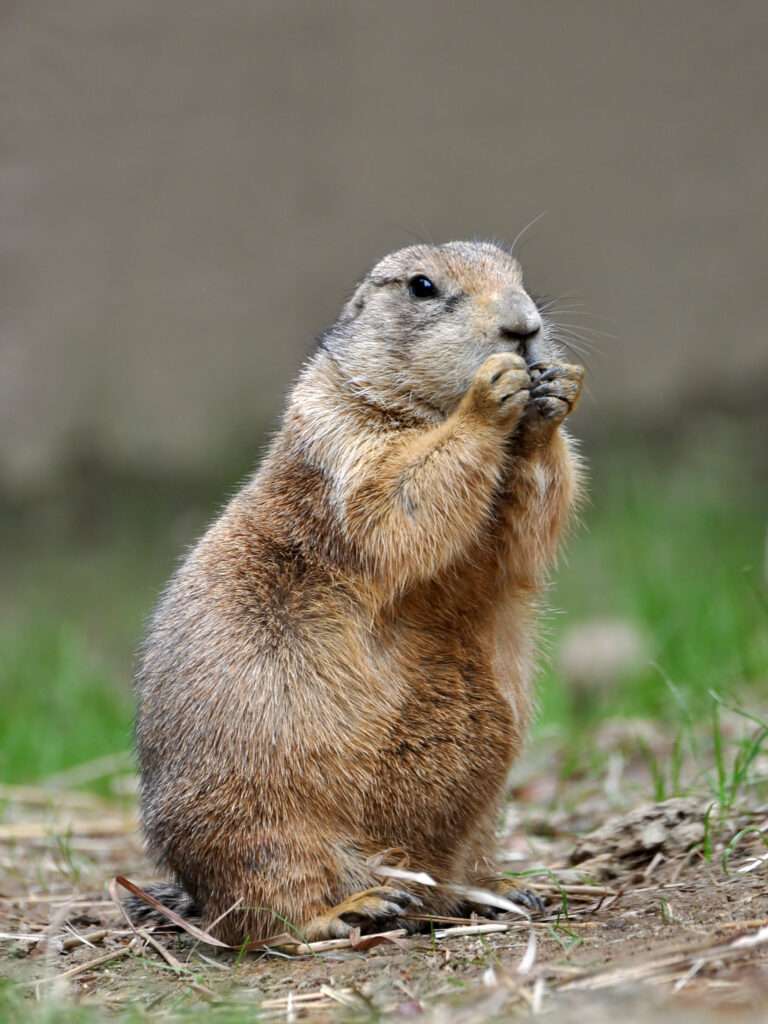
<point x="343" y="663"/>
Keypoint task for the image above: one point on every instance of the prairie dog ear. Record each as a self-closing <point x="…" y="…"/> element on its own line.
<point x="356" y="303"/>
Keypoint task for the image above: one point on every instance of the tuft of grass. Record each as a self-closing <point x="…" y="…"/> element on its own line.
<point x="731" y="778"/>
<point x="566" y="937"/>
<point x="733" y="843"/>
<point x="708" y="842"/>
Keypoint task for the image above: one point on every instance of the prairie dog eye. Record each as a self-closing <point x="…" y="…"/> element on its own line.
<point x="421" y="287"/>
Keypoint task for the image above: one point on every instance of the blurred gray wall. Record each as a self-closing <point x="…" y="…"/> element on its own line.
<point x="189" y="189"/>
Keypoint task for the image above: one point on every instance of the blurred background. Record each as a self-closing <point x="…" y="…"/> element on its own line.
<point x="189" y="191"/>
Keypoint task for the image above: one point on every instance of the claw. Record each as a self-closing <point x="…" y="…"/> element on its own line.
<point x="549" y="374"/>
<point x="405" y="899"/>
<point x="529" y="899"/>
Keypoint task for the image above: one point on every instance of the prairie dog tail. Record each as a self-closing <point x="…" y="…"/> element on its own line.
<point x="171" y="895"/>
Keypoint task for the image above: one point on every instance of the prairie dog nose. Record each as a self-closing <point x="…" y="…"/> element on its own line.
<point x="519" y="319"/>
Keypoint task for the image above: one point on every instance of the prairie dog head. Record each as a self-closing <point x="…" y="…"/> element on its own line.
<point x="425" y="318"/>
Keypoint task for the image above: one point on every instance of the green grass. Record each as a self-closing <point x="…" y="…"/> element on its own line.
<point x="677" y="548"/>
<point x="17" y="1008"/>
<point x="672" y="542"/>
<point x="59" y="706"/>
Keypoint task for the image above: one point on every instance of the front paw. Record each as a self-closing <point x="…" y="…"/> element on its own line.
<point x="500" y="391"/>
<point x="555" y="392"/>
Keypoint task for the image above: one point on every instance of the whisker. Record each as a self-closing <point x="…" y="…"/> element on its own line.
<point x="569" y="328"/>
<point x="576" y="337"/>
<point x="576" y="350"/>
<point x="580" y="348"/>
<point x="524" y="230"/>
<point x="585" y="343"/>
<point x="556" y="300"/>
<point x="587" y="335"/>
<point x="546" y="304"/>
<point x="552" y="300"/>
<point x="588" y="343"/>
<point x="576" y="311"/>
<point x="543" y="303"/>
<point x="587" y="329"/>
<point x="571" y="310"/>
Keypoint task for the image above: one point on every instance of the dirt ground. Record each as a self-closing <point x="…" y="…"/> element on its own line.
<point x="654" y="908"/>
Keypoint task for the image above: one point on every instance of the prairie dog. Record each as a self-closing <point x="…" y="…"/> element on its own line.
<point x="343" y="663"/>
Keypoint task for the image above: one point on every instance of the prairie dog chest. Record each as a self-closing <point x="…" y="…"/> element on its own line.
<point x="448" y="750"/>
